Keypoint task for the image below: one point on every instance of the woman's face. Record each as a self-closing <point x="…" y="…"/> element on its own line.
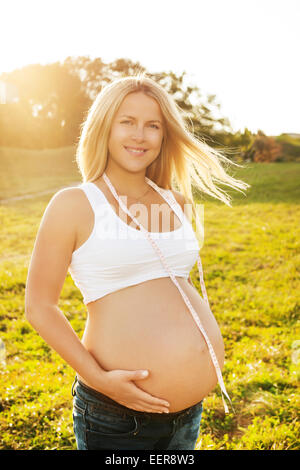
<point x="136" y="133"/>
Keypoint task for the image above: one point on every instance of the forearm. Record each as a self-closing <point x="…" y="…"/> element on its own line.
<point x="54" y="328"/>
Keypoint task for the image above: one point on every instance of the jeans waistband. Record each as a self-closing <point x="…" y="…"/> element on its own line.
<point x="123" y="409"/>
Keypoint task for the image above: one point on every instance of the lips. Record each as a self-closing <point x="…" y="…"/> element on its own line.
<point x="136" y="151"/>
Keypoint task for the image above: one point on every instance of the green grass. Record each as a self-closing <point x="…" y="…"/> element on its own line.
<point x="24" y="171"/>
<point x="251" y="263"/>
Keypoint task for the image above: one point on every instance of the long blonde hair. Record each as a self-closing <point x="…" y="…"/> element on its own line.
<point x="184" y="160"/>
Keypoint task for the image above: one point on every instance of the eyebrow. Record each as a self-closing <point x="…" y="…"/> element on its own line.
<point x="132" y="117"/>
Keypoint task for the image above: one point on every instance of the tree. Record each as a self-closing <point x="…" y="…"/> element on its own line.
<point x="265" y="148"/>
<point x="51" y="100"/>
<point x="54" y="100"/>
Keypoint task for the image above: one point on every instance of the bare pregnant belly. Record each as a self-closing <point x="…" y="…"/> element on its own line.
<point x="149" y="326"/>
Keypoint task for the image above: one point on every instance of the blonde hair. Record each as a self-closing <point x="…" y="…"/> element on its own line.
<point x="184" y="160"/>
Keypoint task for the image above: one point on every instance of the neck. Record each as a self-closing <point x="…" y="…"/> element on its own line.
<point x="125" y="181"/>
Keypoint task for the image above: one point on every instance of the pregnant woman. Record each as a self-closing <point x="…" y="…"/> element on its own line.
<point x="151" y="349"/>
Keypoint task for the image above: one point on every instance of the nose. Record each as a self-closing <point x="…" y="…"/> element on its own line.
<point x="138" y="133"/>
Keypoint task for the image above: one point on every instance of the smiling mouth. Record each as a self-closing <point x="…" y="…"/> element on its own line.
<point x="134" y="151"/>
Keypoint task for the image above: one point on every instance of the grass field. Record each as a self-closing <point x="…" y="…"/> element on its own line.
<point x="251" y="264"/>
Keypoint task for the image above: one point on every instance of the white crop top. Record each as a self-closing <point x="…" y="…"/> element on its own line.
<point x="117" y="255"/>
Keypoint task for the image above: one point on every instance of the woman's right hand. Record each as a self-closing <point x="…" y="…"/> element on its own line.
<point x="121" y="388"/>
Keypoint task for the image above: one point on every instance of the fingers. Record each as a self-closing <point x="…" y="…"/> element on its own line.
<point x="137" y="374"/>
<point x="141" y="400"/>
<point x="153" y="404"/>
<point x="146" y="408"/>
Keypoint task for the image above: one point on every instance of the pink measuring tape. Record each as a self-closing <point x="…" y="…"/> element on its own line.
<point x="168" y="269"/>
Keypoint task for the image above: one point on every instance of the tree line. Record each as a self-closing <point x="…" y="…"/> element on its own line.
<point x="52" y="101"/>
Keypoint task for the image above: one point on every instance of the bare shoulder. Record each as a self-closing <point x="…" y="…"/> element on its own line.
<point x="69" y="201"/>
<point x="65" y="211"/>
<point x="68" y="196"/>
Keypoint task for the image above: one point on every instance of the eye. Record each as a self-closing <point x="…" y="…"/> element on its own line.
<point x="151" y="125"/>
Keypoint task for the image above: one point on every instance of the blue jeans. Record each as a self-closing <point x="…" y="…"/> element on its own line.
<point x="100" y="423"/>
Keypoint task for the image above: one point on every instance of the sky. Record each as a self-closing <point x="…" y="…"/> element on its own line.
<point x="246" y="52"/>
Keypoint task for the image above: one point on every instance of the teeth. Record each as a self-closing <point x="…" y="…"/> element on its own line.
<point x="134" y="150"/>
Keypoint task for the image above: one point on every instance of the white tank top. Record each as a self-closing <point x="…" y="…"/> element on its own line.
<point x="116" y="255"/>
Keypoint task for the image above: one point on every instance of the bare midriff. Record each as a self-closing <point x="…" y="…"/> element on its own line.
<point x="149" y="326"/>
